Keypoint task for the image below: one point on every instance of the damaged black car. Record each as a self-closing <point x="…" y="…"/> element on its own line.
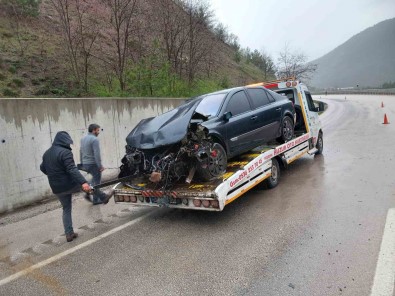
<point x="196" y="139"/>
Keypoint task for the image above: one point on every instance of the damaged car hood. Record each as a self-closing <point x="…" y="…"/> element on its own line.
<point x="168" y="128"/>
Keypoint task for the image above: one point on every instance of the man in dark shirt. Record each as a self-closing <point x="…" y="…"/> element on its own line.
<point x="64" y="177"/>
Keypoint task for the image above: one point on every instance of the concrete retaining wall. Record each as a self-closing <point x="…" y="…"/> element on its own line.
<point x="28" y="126"/>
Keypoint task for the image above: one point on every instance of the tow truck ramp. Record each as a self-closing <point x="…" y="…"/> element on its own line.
<point x="243" y="173"/>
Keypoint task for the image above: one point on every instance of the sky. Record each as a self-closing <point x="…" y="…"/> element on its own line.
<point x="311" y="27"/>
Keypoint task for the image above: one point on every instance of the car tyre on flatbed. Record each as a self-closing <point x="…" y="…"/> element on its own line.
<point x="218" y="162"/>
<point x="272" y="181"/>
<point x="287" y="130"/>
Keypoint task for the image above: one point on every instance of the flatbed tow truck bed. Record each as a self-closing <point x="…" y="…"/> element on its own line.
<point x="243" y="172"/>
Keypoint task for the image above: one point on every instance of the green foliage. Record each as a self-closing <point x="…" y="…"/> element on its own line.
<point x="10" y="93"/>
<point x="23" y="7"/>
<point x="12" y="69"/>
<point x="2" y="77"/>
<point x="237" y="56"/>
<point x="389" y="84"/>
<point x="225" y="82"/>
<point x="35" y="81"/>
<point x="17" y="82"/>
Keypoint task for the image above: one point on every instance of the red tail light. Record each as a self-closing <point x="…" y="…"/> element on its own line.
<point x="206" y="203"/>
<point x="197" y="202"/>
<point x="215" y="204"/>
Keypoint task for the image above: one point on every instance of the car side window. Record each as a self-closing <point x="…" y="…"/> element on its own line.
<point x="259" y="97"/>
<point x="310" y="102"/>
<point x="238" y="104"/>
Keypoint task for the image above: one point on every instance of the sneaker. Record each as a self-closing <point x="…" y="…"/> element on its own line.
<point x="71" y="236"/>
<point x="108" y="197"/>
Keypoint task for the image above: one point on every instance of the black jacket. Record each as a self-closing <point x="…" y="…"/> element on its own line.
<point x="58" y="164"/>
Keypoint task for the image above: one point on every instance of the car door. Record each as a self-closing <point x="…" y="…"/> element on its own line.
<point x="312" y="114"/>
<point x="240" y="124"/>
<point x="268" y="115"/>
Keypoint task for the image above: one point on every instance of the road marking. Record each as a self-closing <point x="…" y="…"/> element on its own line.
<point x="69" y="251"/>
<point x="384" y="278"/>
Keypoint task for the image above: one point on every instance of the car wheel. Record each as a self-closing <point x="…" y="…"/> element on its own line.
<point x="287" y="129"/>
<point x="272" y="181"/>
<point x="320" y="144"/>
<point x="217" y="163"/>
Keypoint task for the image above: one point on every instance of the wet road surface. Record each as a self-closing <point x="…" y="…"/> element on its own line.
<point x="317" y="233"/>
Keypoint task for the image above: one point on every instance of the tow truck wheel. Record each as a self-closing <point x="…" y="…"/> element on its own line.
<point x="272" y="181"/>
<point x="319" y="145"/>
<point x="217" y="164"/>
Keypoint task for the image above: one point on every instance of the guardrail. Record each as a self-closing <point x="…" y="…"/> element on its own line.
<point x="390" y="91"/>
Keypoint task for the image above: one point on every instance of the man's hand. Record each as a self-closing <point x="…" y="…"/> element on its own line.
<point x="86" y="188"/>
<point x="102" y="169"/>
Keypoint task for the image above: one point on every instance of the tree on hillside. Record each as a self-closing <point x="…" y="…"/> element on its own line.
<point x="267" y="66"/>
<point x="122" y="20"/>
<point x="221" y="32"/>
<point x="170" y="18"/>
<point x="80" y="31"/>
<point x="65" y="13"/>
<point x="200" y="41"/>
<point x="294" y="64"/>
<point x="88" y="30"/>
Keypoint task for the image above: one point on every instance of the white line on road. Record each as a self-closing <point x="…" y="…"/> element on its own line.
<point x="384" y="278"/>
<point x="69" y="251"/>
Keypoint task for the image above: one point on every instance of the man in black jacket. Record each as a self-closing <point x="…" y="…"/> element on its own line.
<point x="64" y="177"/>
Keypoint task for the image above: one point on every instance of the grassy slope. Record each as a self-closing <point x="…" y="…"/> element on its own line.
<point x="42" y="70"/>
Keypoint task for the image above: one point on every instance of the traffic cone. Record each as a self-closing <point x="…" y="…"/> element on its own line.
<point x="382" y="105"/>
<point x="385" y="119"/>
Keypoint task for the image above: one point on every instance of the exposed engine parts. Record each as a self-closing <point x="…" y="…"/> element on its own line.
<point x="168" y="164"/>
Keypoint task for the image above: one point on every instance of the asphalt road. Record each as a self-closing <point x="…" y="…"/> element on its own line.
<point x="318" y="233"/>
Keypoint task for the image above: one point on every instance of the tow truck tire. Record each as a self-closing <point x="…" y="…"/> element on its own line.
<point x="217" y="165"/>
<point x="272" y="181"/>
<point x="287" y="130"/>
<point x="320" y="144"/>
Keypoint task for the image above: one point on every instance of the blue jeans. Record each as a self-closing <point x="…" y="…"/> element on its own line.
<point x="65" y="199"/>
<point x="94" y="170"/>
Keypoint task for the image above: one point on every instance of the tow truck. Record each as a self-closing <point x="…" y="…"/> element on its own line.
<point x="244" y="172"/>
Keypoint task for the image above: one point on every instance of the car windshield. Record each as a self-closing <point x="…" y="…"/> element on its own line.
<point x="210" y="105"/>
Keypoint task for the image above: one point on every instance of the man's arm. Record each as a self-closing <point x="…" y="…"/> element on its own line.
<point x="42" y="168"/>
<point x="96" y="153"/>
<point x="81" y="152"/>
<point x="69" y="164"/>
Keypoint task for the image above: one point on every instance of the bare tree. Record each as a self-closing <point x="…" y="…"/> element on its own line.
<point x="294" y="64"/>
<point x="65" y="14"/>
<point x="170" y="21"/>
<point x="123" y="14"/>
<point x="80" y="30"/>
<point x="88" y="30"/>
<point x="199" y="24"/>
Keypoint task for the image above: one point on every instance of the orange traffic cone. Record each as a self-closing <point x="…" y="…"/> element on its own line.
<point x="382" y="105"/>
<point x="385" y="119"/>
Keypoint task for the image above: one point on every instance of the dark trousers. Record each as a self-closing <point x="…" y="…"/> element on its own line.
<point x="65" y="199"/>
<point x="94" y="170"/>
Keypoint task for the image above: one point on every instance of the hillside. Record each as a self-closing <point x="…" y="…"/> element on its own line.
<point x="36" y="61"/>
<point x="366" y="59"/>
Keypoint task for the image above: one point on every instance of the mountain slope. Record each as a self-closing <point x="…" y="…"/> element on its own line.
<point x="366" y="59"/>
